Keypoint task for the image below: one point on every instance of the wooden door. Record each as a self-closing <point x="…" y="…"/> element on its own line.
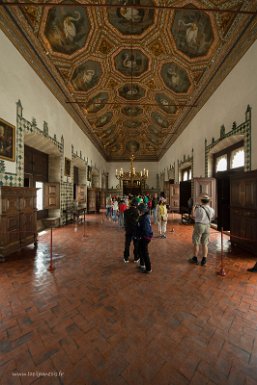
<point x="205" y="186"/>
<point x="223" y="201"/>
<point x="243" y="210"/>
<point x="51" y="195"/>
<point x="184" y="195"/>
<point x="98" y="200"/>
<point x="174" y="197"/>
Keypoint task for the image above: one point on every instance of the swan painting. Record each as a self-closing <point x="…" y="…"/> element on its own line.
<point x="131" y="91"/>
<point x="129" y="61"/>
<point x="104" y="119"/>
<point x="193" y="32"/>
<point x="84" y="79"/>
<point x="67" y="28"/>
<point x="131" y="14"/>
<point x="97" y="103"/>
<point x="175" y="77"/>
<point x="86" y="75"/>
<point x="131" y="111"/>
<point x="166" y="103"/>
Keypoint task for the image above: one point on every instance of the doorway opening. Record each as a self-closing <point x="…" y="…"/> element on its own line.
<point x="227" y="162"/>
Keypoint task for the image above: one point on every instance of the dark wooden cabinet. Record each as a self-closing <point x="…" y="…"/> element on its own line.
<point x="91" y="200"/>
<point x="243" y="210"/>
<point x="102" y="199"/>
<point x="18" y="222"/>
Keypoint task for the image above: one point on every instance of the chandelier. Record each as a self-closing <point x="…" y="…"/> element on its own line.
<point x="132" y="177"/>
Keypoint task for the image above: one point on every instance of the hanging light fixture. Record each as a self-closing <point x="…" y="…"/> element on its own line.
<point x="133" y="177"/>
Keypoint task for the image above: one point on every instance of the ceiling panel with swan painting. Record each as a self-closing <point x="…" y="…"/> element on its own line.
<point x="132" y="73"/>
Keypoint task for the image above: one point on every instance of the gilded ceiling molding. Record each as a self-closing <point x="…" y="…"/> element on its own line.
<point x="132" y="81"/>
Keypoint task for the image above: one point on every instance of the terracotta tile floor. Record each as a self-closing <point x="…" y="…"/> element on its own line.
<point x="98" y="321"/>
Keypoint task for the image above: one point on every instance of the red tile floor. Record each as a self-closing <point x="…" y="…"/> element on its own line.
<point x="98" y="321"/>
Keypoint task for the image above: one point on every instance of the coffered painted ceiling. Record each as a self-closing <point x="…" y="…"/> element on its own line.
<point x="132" y="73"/>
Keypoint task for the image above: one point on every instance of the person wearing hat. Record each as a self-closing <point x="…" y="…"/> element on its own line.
<point x="130" y="223"/>
<point x="203" y="214"/>
<point x="144" y="234"/>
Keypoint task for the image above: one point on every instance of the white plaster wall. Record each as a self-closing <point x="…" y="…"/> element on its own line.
<point x="19" y="81"/>
<point x="226" y="105"/>
<point x="152" y="167"/>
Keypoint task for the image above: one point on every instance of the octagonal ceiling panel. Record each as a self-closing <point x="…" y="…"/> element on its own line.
<point x="192" y="32"/>
<point x="132" y="111"/>
<point x="159" y="120"/>
<point x="132" y="147"/>
<point x="131" y="62"/>
<point x="67" y="28"/>
<point x="132" y="123"/>
<point x="165" y="103"/>
<point x="175" y="77"/>
<point x="131" y="70"/>
<point x="86" y="75"/>
<point x="131" y="91"/>
<point x="96" y="103"/>
<point x="104" y="119"/>
<point x="130" y="20"/>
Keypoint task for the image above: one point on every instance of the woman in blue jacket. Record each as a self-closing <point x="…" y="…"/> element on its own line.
<point x="144" y="235"/>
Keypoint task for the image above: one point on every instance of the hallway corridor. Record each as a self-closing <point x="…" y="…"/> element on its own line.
<point x="98" y="321"/>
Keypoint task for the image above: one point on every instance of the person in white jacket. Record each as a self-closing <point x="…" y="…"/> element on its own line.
<point x="162" y="217"/>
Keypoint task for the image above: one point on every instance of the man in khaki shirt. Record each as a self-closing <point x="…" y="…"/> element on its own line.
<point x="203" y="215"/>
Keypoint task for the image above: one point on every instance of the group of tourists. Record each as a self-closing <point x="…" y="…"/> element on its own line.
<point x="135" y="213"/>
<point x="157" y="209"/>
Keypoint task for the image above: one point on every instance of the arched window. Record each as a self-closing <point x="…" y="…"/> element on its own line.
<point x="186" y="174"/>
<point x="238" y="158"/>
<point x="230" y="158"/>
<point x="222" y="163"/>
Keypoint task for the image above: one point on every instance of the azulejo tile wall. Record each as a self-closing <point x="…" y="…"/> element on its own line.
<point x="56" y="172"/>
<point x="23" y="126"/>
